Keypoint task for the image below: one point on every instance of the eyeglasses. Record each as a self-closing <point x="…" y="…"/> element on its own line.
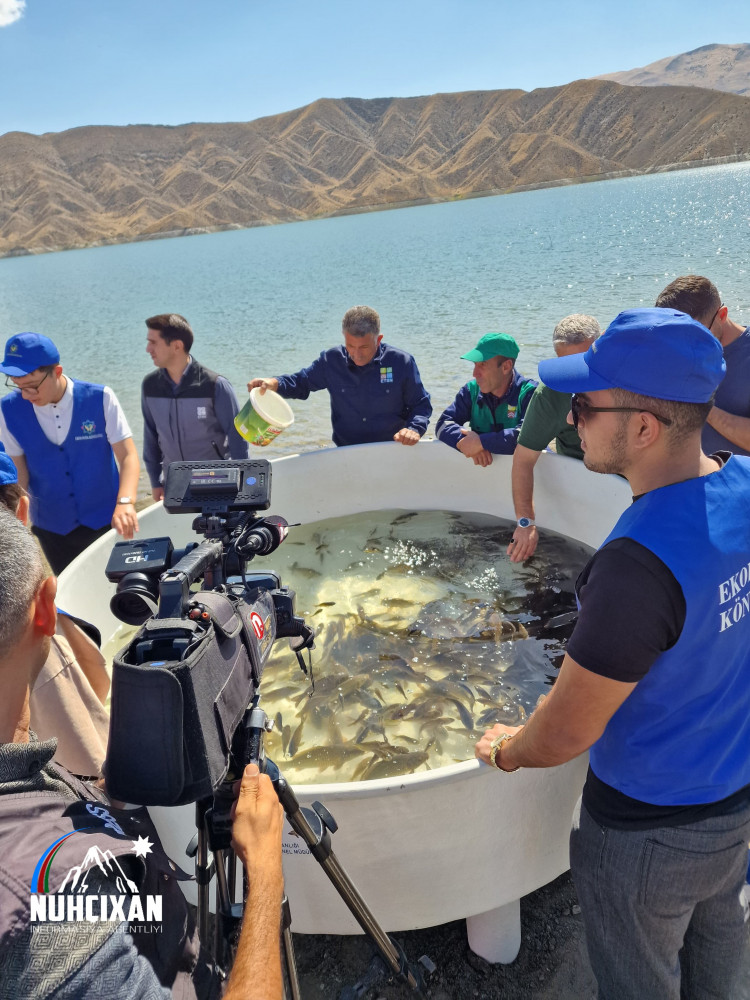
<point x="579" y="407"/>
<point x="713" y="318"/>
<point x="11" y="384"/>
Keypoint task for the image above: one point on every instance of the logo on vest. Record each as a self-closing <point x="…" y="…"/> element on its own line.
<point x="97" y="889"/>
<point x="734" y="593"/>
<point x="512" y="410"/>
<point x="200" y="412"/>
<point x="386" y="375"/>
<point x="89" y="431"/>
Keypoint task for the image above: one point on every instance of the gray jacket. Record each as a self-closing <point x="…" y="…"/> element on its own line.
<point x="191" y="421"/>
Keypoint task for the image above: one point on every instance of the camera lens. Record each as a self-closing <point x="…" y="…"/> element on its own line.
<point x="135" y="600"/>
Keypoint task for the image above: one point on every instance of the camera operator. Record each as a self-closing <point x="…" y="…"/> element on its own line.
<point x="69" y="696"/>
<point x="43" y="806"/>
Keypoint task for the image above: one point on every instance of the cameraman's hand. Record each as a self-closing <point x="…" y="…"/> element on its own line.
<point x="264" y="384"/>
<point x="256" y="837"/>
<point x="258" y="819"/>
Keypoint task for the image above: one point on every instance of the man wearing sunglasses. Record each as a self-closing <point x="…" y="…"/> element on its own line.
<point x="656" y="676"/>
<point x="728" y="423"/>
<point x="67" y="439"/>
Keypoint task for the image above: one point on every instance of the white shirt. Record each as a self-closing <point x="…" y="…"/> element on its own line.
<point x="55" y="418"/>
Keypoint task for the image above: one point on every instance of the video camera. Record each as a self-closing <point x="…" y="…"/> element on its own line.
<point x="183" y="683"/>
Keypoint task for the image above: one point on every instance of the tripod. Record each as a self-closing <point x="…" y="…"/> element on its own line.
<point x="314" y="826"/>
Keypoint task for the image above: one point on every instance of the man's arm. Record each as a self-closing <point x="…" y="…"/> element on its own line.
<point x="624" y="582"/>
<point x="256" y="837"/>
<point x="452" y="419"/>
<point x="568" y="721"/>
<point x="417" y="404"/>
<point x="300" y="384"/>
<point x="124" y="518"/>
<point x="525" y="540"/>
<point x="729" y="425"/>
<point x="226" y="409"/>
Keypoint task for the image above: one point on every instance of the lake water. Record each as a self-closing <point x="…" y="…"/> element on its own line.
<point x="266" y="301"/>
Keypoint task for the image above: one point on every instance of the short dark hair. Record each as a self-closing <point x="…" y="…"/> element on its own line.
<point x="360" y="321"/>
<point x="172" y="326"/>
<point x="10" y="495"/>
<point x="687" y="418"/>
<point x="691" y="294"/>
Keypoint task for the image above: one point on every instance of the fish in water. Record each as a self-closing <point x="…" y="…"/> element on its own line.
<point x="306" y="572"/>
<point x="420" y="643"/>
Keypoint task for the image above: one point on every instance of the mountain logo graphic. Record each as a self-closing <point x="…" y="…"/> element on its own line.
<point x="107" y="863"/>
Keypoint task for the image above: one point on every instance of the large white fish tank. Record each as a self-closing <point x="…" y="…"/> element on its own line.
<point x="458" y="841"/>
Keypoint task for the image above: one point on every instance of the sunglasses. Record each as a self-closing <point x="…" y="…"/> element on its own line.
<point x="713" y="318"/>
<point x="579" y="407"/>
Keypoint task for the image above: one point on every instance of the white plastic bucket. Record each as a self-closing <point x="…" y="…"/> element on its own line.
<point x="263" y="417"/>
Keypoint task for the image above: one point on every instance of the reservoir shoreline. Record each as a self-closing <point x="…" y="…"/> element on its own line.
<point x="365" y="209"/>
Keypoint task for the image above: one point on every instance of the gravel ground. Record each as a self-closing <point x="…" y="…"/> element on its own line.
<point x="551" y="965"/>
<point x="552" y="962"/>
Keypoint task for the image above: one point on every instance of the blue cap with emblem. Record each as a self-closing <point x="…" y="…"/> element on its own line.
<point x="653" y="352"/>
<point x="25" y="352"/>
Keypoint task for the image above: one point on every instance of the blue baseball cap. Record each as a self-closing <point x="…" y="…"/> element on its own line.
<point x="8" y="471"/>
<point x="653" y="352"/>
<point x="26" y="352"/>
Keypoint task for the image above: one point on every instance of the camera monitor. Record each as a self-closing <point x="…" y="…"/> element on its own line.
<point x="218" y="487"/>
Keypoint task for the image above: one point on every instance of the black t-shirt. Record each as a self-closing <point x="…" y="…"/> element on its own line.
<point x="632" y="610"/>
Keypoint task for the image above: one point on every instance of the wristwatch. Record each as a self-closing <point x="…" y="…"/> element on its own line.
<point x="124" y="500"/>
<point x="495" y="746"/>
<point x="525" y="522"/>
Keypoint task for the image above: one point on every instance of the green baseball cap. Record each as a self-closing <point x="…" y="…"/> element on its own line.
<point x="491" y="345"/>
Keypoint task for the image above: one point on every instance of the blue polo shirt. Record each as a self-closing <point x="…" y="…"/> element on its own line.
<point x="368" y="403"/>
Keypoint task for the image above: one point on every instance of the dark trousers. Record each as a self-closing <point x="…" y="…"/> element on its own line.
<point x="663" y="909"/>
<point x="62" y="549"/>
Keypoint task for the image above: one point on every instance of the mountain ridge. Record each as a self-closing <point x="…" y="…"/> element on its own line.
<point x="105" y="184"/>
<point x="715" y="66"/>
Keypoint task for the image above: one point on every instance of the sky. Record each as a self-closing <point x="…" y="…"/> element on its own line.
<point x="68" y="63"/>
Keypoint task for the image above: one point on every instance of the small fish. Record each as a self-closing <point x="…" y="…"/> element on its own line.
<point x="296" y="739"/>
<point x="326" y="604"/>
<point x="398" y="602"/>
<point x="306" y="572"/>
<point x="402" y="518"/>
<point x="403" y="764"/>
<point x="326" y="757"/>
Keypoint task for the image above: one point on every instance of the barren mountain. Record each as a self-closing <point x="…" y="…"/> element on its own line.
<point x="720" y="67"/>
<point x="104" y="184"/>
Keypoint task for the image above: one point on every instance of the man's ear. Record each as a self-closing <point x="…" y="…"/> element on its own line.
<point x="22" y="510"/>
<point x="45" y="612"/>
<point x="648" y="429"/>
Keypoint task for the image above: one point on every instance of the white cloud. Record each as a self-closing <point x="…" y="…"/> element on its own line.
<point x="10" y="11"/>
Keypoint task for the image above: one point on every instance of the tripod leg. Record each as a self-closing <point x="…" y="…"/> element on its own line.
<point x="288" y="946"/>
<point x="319" y="843"/>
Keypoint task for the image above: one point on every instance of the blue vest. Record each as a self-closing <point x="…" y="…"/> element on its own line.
<point x="683" y="735"/>
<point x="73" y="483"/>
